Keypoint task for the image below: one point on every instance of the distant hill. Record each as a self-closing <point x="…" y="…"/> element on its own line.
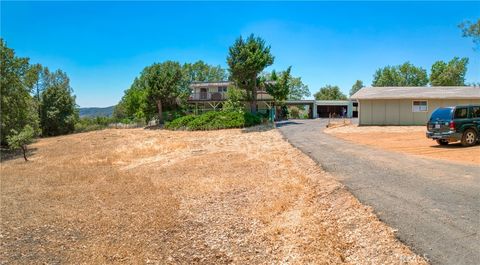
<point x="96" y="112"/>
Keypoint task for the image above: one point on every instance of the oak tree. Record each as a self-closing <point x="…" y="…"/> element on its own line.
<point x="162" y="82"/>
<point x="401" y="75"/>
<point x="449" y="74"/>
<point x="356" y="87"/>
<point x="329" y="92"/>
<point x="20" y="140"/>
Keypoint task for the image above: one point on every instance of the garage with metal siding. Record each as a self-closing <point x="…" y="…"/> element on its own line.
<point x="409" y="105"/>
<point x="392" y="112"/>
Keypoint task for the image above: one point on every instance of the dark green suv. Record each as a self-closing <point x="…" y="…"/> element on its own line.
<point x="452" y="124"/>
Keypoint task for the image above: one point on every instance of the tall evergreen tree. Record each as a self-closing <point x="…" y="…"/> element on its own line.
<point x="246" y="60"/>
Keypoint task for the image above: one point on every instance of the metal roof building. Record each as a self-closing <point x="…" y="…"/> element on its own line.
<point x="409" y="105"/>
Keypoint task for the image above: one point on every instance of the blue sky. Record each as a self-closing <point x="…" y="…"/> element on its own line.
<point x="103" y="45"/>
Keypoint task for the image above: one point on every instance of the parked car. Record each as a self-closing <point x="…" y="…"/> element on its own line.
<point x="452" y="124"/>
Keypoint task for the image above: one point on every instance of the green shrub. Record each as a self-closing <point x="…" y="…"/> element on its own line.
<point x="86" y="127"/>
<point x="251" y="120"/>
<point x="179" y="123"/>
<point x="214" y="120"/>
<point x="204" y="121"/>
<point x="87" y="124"/>
<point x="171" y="115"/>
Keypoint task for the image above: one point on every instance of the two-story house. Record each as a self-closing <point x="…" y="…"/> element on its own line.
<point x="205" y="96"/>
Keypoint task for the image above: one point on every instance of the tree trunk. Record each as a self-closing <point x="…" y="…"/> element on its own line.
<point x="253" y="104"/>
<point x="272" y="109"/>
<point x="160" y="113"/>
<point x="24" y="150"/>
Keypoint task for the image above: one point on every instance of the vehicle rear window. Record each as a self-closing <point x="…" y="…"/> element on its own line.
<point x="461" y="113"/>
<point x="442" y="114"/>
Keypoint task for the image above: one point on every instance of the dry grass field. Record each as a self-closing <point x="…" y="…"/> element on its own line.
<point x="409" y="140"/>
<point x="141" y="196"/>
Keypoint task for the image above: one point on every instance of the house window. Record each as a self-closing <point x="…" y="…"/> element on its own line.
<point x="222" y="89"/>
<point x="419" y="106"/>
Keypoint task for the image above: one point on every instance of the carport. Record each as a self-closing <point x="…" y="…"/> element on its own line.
<point x="308" y="103"/>
<point x="327" y="108"/>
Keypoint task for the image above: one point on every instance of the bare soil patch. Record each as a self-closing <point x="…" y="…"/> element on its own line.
<point x="409" y="140"/>
<point x="162" y="197"/>
<point x="338" y="122"/>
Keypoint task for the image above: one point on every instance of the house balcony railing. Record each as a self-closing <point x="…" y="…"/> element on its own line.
<point x="221" y="96"/>
<point x="208" y="96"/>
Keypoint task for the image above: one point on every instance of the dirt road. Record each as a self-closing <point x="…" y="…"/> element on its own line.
<point x="160" y="197"/>
<point x="434" y="205"/>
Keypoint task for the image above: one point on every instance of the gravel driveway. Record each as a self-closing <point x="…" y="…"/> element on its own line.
<point x="434" y="205"/>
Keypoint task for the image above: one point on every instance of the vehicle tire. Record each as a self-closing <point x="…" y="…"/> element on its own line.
<point x="469" y="137"/>
<point x="442" y="142"/>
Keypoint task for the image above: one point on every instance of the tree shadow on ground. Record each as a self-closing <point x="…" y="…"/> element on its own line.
<point x="154" y="127"/>
<point x="286" y="123"/>
<point x="259" y="128"/>
<point x="7" y="154"/>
